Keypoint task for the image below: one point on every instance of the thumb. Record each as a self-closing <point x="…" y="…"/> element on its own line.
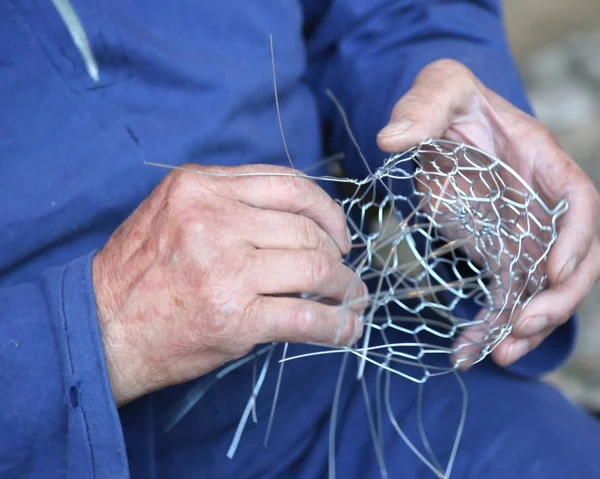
<point x="442" y="92"/>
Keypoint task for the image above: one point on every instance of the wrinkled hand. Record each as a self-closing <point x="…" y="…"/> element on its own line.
<point x="208" y="267"/>
<point x="448" y="101"/>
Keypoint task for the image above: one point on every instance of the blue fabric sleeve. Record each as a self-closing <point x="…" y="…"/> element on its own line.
<point x="369" y="53"/>
<point x="58" y="416"/>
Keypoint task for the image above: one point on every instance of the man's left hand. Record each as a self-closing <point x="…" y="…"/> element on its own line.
<point x="448" y="101"/>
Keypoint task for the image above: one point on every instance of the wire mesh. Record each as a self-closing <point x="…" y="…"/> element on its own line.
<point x="470" y="230"/>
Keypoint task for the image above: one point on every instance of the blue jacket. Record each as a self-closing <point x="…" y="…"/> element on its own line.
<point x="182" y="81"/>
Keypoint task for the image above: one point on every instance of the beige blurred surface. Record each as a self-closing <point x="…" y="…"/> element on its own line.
<point x="533" y="24"/>
<point x="557" y="46"/>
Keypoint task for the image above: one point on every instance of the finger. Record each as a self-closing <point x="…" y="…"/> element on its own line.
<point x="553" y="307"/>
<point x="489" y="323"/>
<point x="443" y="91"/>
<point x="283" y="189"/>
<point x="469" y="346"/>
<point x="513" y="348"/>
<point x="472" y="341"/>
<point x="281" y="230"/>
<point x="313" y="273"/>
<point x="302" y="321"/>
<point x="557" y="177"/>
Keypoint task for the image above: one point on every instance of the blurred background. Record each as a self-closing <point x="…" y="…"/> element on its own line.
<point x="557" y="46"/>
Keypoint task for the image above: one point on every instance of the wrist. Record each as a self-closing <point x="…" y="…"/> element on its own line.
<point x="123" y="362"/>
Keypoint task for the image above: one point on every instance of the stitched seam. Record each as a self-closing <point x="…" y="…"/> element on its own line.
<point x="66" y="329"/>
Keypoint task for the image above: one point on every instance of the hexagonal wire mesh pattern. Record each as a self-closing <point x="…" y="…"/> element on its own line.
<point x="474" y="231"/>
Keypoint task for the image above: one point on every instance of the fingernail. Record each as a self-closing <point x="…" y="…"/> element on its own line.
<point x="358" y="330"/>
<point x="362" y="299"/>
<point x="364" y="290"/>
<point x="567" y="270"/>
<point x="532" y="325"/>
<point x="395" y="128"/>
<point x="349" y="236"/>
<point x="519" y="349"/>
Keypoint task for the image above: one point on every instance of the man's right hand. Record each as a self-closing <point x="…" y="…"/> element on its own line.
<point x="207" y="267"/>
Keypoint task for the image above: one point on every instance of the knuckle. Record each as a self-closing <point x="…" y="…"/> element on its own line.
<point x="181" y="178"/>
<point x="446" y="67"/>
<point x="306" y="234"/>
<point x="306" y="323"/>
<point x="195" y="181"/>
<point x="446" y="64"/>
<point x="326" y="325"/>
<point x="321" y="267"/>
<point x="303" y="189"/>
<point x="314" y="322"/>
<point x="193" y="227"/>
<point x="200" y="233"/>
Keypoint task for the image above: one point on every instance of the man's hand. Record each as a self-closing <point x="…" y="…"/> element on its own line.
<point x="448" y="101"/>
<point x="208" y="267"/>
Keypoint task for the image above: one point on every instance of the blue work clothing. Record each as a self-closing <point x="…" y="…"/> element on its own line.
<point x="189" y="81"/>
